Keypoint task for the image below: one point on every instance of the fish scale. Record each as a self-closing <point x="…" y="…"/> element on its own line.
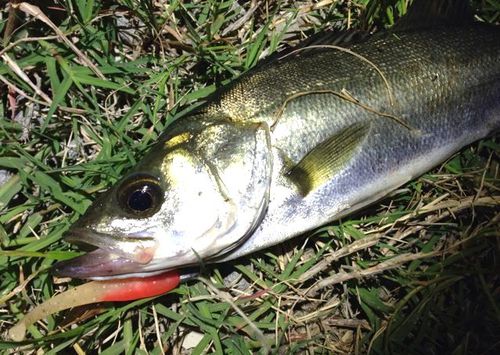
<point x="449" y="98"/>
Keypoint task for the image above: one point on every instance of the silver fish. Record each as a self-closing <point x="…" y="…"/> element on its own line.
<point x="294" y="144"/>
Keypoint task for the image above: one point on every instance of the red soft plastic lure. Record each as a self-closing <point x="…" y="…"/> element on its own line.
<point x="137" y="287"/>
<point x="98" y="291"/>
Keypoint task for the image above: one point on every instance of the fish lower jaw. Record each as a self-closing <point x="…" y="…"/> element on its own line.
<point x="102" y="264"/>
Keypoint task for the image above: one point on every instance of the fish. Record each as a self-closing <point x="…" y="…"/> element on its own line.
<point x="298" y="142"/>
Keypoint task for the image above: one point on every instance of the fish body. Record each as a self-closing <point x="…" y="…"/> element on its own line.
<point x="294" y="144"/>
<point x="441" y="89"/>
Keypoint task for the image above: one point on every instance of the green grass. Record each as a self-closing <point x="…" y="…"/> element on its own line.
<point x="400" y="277"/>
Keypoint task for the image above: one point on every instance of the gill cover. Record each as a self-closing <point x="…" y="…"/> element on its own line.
<point x="221" y="175"/>
<point x="197" y="194"/>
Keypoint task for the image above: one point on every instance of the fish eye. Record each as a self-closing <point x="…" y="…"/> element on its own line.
<point x="140" y="195"/>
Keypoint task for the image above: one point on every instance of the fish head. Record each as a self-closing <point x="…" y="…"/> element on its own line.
<point x="195" y="196"/>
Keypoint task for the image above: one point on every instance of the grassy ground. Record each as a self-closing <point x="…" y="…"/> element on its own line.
<point x="87" y="86"/>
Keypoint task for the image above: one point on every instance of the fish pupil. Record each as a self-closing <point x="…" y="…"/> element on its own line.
<point x="139" y="195"/>
<point x="140" y="200"/>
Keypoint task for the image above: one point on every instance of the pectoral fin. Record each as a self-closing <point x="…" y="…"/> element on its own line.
<point x="329" y="157"/>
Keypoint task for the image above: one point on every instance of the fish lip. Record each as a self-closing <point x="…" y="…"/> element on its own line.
<point x="98" y="239"/>
<point x="99" y="264"/>
<point x="133" y="247"/>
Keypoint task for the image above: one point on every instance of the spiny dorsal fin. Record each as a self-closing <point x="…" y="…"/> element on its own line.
<point x="328" y="158"/>
<point x="317" y="43"/>
<point x="429" y="13"/>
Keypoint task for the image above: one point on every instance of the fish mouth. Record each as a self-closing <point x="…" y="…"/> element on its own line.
<point x="113" y="257"/>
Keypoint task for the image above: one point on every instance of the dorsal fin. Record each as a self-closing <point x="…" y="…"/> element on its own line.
<point x="430" y="13"/>
<point x="314" y="43"/>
